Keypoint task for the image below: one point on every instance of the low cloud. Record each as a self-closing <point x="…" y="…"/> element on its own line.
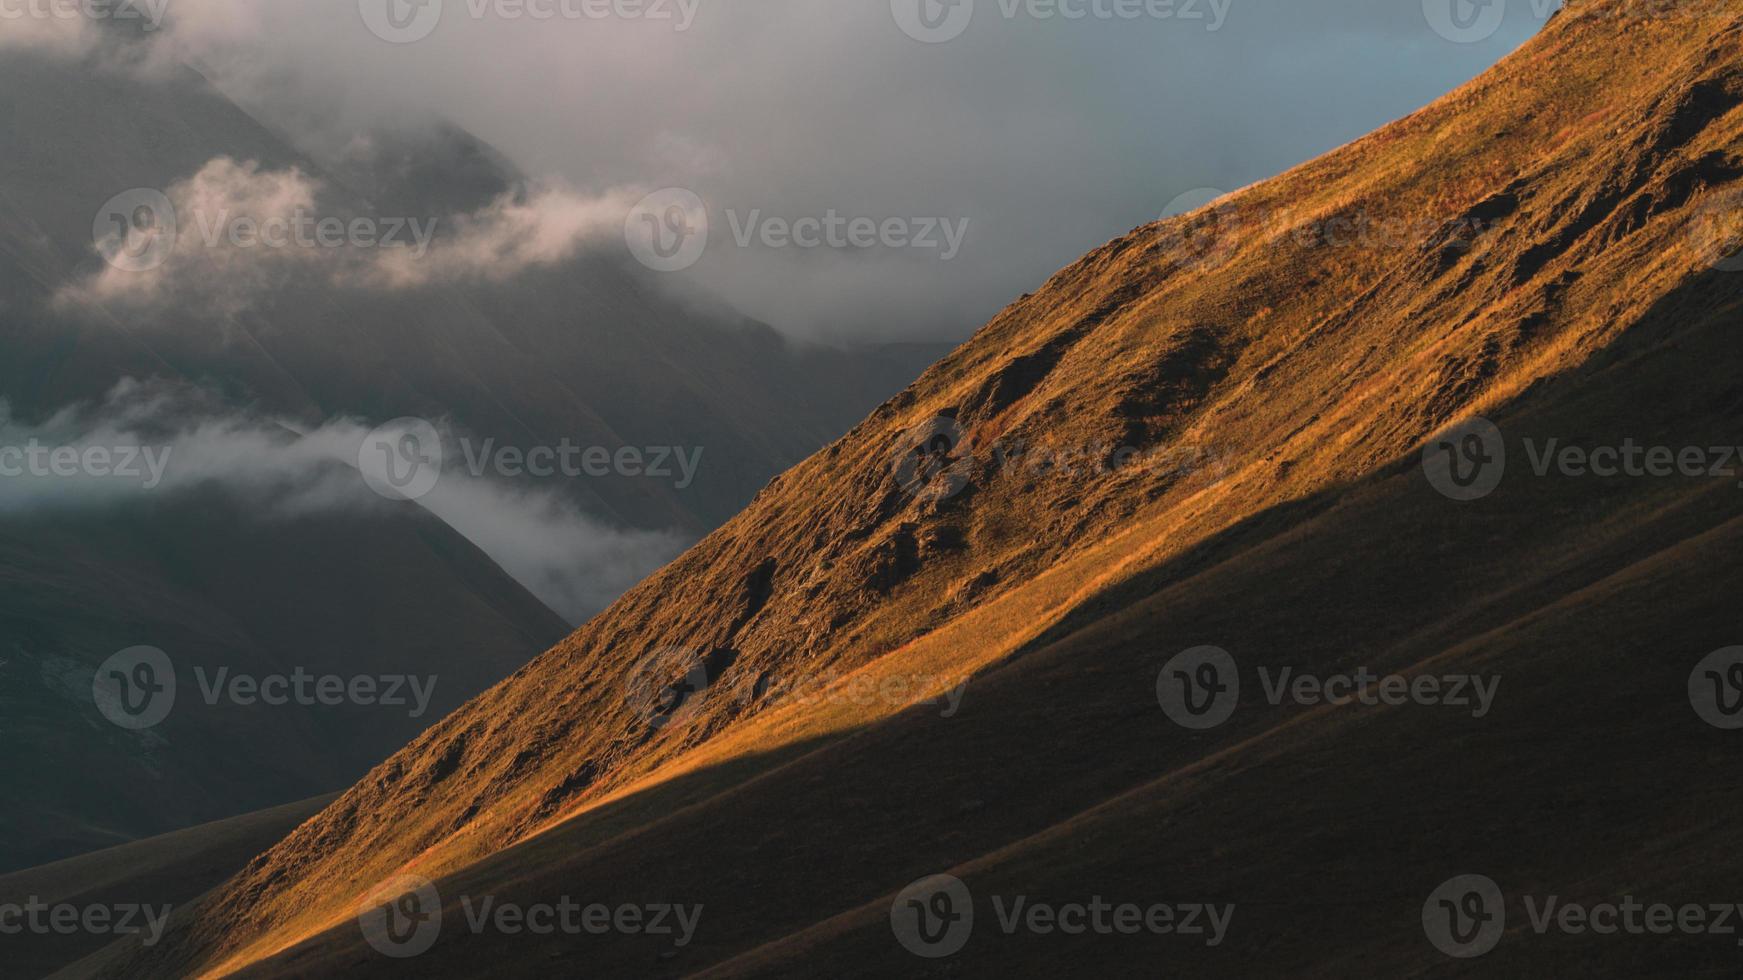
<point x="58" y="36"/>
<point x="1051" y="135"/>
<point x="148" y="441"/>
<point x="515" y="233"/>
<point x="215" y="243"/>
<point x="188" y="248"/>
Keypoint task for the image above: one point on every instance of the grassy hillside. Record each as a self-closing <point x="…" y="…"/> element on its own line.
<point x="1537" y="248"/>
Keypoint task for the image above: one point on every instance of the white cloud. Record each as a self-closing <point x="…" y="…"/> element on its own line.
<point x="513" y="234"/>
<point x="145" y="441"/>
<point x="215" y="243"/>
<point x="1051" y="135"/>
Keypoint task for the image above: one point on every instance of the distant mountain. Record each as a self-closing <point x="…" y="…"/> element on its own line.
<point x="1232" y="429"/>
<point x="584" y="351"/>
<point x="589" y="349"/>
<point x="226" y="594"/>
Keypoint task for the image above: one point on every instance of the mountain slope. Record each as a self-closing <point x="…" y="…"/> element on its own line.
<point x="585" y="352"/>
<point x="371" y="593"/>
<point x="166" y="870"/>
<point x="1278" y="380"/>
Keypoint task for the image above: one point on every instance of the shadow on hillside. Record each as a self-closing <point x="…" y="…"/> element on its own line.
<point x="1011" y="745"/>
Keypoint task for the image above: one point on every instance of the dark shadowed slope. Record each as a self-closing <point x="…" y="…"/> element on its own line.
<point x="167" y="870"/>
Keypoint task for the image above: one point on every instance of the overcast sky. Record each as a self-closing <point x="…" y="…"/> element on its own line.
<point x="1034" y="136"/>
